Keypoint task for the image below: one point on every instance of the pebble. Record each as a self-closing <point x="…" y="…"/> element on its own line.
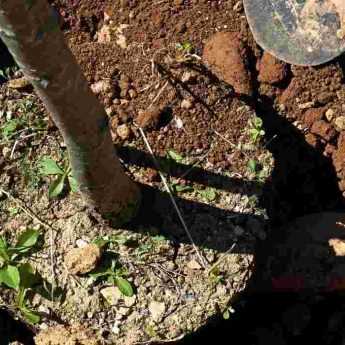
<point x="157" y="310"/>
<point x="194" y="265"/>
<point x="123" y="131"/>
<point x="101" y="86"/>
<point x="186" y="104"/>
<point x="340" y="123"/>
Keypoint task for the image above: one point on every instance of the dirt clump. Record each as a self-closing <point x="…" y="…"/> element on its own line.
<point x="82" y="260"/>
<point x="339" y="156"/>
<point x="73" y="335"/>
<point x="271" y="70"/>
<point x="226" y="56"/>
<point x="323" y="129"/>
<point x="312" y="115"/>
<point x="150" y="118"/>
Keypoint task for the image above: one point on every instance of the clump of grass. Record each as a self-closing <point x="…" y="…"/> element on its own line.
<point x="62" y="176"/>
<point x="18" y="274"/>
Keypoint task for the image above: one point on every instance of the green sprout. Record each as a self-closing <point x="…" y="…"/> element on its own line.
<point x="48" y="167"/>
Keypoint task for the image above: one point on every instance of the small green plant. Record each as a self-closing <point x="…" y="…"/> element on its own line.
<point x="111" y="270"/>
<point x="256" y="168"/>
<point x="256" y="131"/>
<point x="48" y="167"/>
<point x="180" y="188"/>
<point x="173" y="155"/>
<point x="23" y="116"/>
<point x="149" y="246"/>
<point x="227" y="312"/>
<point x="216" y="276"/>
<point x="17" y="275"/>
<point x="185" y="47"/>
<point x="208" y="194"/>
<point x="10" y="128"/>
<point x="185" y="52"/>
<point x="252" y="166"/>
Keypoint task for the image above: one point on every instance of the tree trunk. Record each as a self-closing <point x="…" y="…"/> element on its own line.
<point x="30" y="30"/>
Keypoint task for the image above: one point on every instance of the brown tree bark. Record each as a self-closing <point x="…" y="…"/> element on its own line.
<point x="30" y="30"/>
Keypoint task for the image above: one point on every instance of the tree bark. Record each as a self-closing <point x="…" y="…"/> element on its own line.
<point x="30" y="30"/>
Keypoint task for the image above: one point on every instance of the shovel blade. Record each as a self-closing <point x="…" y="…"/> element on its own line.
<point x="300" y="32"/>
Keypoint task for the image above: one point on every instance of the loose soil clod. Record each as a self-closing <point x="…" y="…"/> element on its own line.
<point x="271" y="70"/>
<point x="82" y="260"/>
<point x="73" y="335"/>
<point x="226" y="56"/>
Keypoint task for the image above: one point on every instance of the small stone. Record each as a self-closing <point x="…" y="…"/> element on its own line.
<point x="338" y="246"/>
<point x="329" y="115"/>
<point x="113" y="296"/>
<point x="178" y="2"/>
<point x="20" y="83"/>
<point x="157" y="310"/>
<point x="110" y="110"/>
<point x="312" y="140"/>
<point x="115" y="329"/>
<point x="82" y="260"/>
<point x="340" y="123"/>
<point x="81" y="243"/>
<point x="339" y="155"/>
<point x="123" y="131"/>
<point x="186" y="76"/>
<point x="186" y="104"/>
<point x="6" y="152"/>
<point x="323" y="129"/>
<point x="238" y="7"/>
<point x="101" y="86"/>
<point x="104" y="34"/>
<point x="150" y="118"/>
<point x="306" y="105"/>
<point x="121" y="41"/>
<point x="271" y="70"/>
<point x="152" y="175"/>
<point x="194" y="265"/>
<point x="312" y="115"/>
<point x="132" y="93"/>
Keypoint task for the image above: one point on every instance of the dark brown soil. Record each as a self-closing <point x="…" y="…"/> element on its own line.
<point x="152" y="71"/>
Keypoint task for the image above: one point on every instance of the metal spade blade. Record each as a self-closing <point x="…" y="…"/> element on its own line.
<point x="300" y="32"/>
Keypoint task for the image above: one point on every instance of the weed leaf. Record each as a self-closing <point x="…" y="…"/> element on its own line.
<point x="27" y="240"/>
<point x="73" y="184"/>
<point x="56" y="187"/>
<point x="124" y="286"/>
<point x="47" y="166"/>
<point x="9" y="275"/>
<point x="175" y="156"/>
<point x="30" y="315"/>
<point x="28" y="277"/>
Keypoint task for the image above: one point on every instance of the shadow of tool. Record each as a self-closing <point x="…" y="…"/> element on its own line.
<point x="296" y="297"/>
<point x="14" y="330"/>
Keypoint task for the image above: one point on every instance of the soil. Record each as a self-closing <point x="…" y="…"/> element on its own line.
<point x="146" y="62"/>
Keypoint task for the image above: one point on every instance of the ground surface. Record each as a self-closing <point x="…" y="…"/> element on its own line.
<point x="144" y="60"/>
